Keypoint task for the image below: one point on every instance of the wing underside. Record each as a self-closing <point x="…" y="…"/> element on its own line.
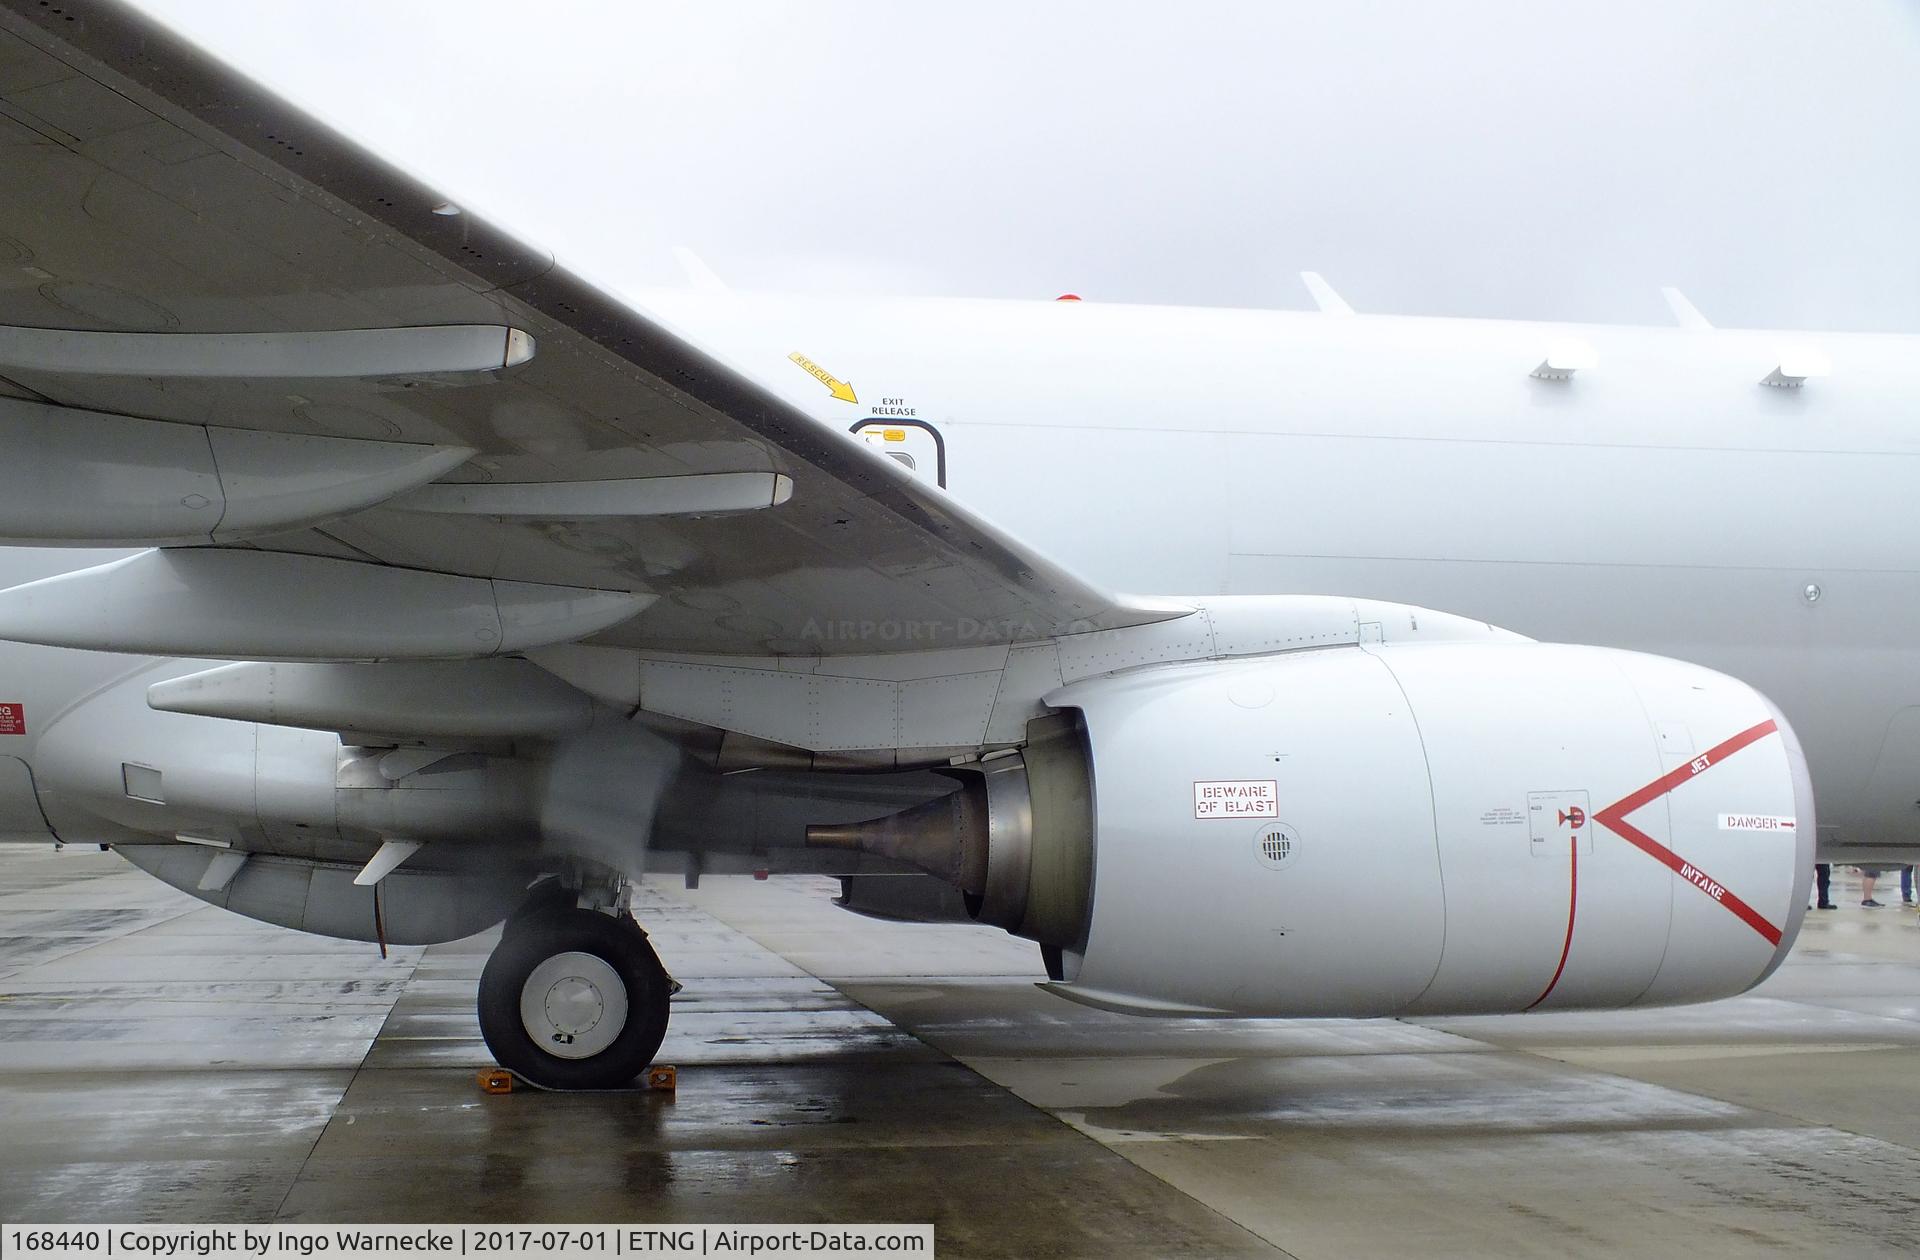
<point x="179" y="246"/>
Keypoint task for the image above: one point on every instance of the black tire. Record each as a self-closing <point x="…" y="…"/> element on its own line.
<point x="624" y="948"/>
<point x="546" y="898"/>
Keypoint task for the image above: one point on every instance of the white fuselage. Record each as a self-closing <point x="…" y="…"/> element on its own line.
<point x="1662" y="499"/>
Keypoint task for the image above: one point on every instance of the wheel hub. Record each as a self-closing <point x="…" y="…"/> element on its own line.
<point x="574" y="1005"/>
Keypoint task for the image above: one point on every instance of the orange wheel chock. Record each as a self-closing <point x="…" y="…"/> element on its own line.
<point x="663" y="1077"/>
<point x="496" y="1081"/>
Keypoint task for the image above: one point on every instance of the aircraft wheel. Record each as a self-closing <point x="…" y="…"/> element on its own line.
<point x="574" y="999"/>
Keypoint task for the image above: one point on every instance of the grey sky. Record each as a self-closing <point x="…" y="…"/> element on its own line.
<point x="1480" y="157"/>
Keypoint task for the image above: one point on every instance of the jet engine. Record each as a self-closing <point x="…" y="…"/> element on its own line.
<point x="1440" y="828"/>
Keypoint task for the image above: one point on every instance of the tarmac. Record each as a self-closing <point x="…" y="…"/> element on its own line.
<point x="162" y="1060"/>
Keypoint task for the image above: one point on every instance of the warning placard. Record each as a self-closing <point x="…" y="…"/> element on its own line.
<point x="1557" y="823"/>
<point x="1236" y="798"/>
<point x="13" y="718"/>
<point x="1757" y="822"/>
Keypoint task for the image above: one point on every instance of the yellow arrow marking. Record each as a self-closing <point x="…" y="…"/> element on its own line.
<point x="835" y="386"/>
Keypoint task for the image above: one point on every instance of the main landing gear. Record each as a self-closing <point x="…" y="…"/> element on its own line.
<point x="573" y="998"/>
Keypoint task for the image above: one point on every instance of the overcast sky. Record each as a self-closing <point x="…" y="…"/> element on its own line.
<point x="1477" y="157"/>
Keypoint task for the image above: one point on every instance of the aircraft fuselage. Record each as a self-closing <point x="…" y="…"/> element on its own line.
<point x="1660" y="499"/>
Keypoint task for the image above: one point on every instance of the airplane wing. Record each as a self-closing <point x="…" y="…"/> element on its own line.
<point x="177" y="245"/>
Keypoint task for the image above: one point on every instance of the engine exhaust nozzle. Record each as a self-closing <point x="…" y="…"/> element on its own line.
<point x="946" y="837"/>
<point x="1016" y="839"/>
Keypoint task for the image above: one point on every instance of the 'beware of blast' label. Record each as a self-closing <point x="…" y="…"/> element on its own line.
<point x="1236" y="798"/>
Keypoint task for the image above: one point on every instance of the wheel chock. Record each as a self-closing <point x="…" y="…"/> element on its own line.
<point x="496" y="1081"/>
<point x="663" y="1078"/>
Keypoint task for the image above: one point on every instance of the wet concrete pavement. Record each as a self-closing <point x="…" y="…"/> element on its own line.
<point x="162" y="1060"/>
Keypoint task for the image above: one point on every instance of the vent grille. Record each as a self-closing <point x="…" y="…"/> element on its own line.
<point x="1277" y="846"/>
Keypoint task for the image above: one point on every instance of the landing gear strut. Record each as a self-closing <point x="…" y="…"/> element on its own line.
<point x="574" y="999"/>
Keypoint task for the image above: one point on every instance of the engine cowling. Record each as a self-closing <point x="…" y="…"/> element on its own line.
<point x="1399" y="829"/>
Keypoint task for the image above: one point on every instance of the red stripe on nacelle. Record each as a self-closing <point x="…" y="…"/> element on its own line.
<point x="1614" y="819"/>
<point x="1573" y="904"/>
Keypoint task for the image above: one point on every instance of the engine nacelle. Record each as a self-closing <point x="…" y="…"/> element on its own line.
<point x="1438" y="828"/>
